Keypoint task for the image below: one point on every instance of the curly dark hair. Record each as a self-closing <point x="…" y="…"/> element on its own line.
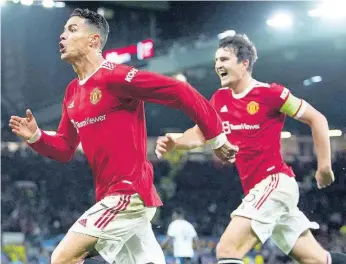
<point x="95" y="20"/>
<point x="242" y="47"/>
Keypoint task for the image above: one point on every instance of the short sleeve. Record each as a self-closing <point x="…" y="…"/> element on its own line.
<point x="277" y="95"/>
<point x="171" y="230"/>
<point x="284" y="101"/>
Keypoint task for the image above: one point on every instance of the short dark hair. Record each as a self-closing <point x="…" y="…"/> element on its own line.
<point x="96" y="20"/>
<point x="179" y="211"/>
<point x="243" y="48"/>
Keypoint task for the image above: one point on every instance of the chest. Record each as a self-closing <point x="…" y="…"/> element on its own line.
<point x="245" y="117"/>
<point x="92" y="101"/>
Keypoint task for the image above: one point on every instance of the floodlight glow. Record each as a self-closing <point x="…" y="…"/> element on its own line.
<point x="27" y="2"/>
<point x="285" y="134"/>
<point x="59" y="4"/>
<point x="280" y="21"/>
<point x="48" y="3"/>
<point x="329" y="10"/>
<point x="335" y="133"/>
<point x="316" y="79"/>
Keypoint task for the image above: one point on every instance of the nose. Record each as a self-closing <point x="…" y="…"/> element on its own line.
<point x="63" y="36"/>
<point x="218" y="64"/>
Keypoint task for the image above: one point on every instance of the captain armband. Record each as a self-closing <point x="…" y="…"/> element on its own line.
<point x="294" y="107"/>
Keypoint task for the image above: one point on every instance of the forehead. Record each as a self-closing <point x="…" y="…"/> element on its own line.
<point x="224" y="52"/>
<point x="78" y="21"/>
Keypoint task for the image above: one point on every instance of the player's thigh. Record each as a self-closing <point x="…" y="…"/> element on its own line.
<point x="308" y="251"/>
<point x="268" y="203"/>
<point x="143" y="246"/>
<point x="113" y="221"/>
<point x="237" y="239"/>
<point x="73" y="248"/>
<point x="290" y="228"/>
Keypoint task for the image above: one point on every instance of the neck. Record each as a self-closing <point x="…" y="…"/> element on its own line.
<point x="87" y="65"/>
<point x="241" y="85"/>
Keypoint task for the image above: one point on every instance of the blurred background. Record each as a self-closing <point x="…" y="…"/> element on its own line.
<point x="300" y="44"/>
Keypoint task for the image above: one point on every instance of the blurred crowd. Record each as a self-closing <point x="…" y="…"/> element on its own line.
<point x="41" y="198"/>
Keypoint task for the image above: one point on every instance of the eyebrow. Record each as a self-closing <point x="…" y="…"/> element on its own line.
<point x="69" y="26"/>
<point x="222" y="57"/>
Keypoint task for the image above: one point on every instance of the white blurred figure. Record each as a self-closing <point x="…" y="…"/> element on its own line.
<point x="183" y="234"/>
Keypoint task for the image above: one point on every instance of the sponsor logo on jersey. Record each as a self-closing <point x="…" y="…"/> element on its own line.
<point x="227" y="127"/>
<point x="88" y="121"/>
<point x="131" y="74"/>
<point x="252" y="107"/>
<point x="95" y="96"/>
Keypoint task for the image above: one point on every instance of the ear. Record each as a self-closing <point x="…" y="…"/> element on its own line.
<point x="246" y="63"/>
<point x="94" y="41"/>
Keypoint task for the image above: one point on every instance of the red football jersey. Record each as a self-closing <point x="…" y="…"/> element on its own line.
<point x="105" y="112"/>
<point x="252" y="120"/>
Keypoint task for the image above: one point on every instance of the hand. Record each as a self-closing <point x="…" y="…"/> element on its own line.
<point x="163" y="145"/>
<point x="226" y="153"/>
<point x="24" y="127"/>
<point x="324" y="177"/>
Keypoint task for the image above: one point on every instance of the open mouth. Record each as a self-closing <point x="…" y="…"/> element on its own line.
<point x="223" y="74"/>
<point x="62" y="47"/>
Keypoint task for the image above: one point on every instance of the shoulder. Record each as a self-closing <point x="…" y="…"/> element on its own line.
<point x="219" y="93"/>
<point x="274" y="94"/>
<point x="71" y="88"/>
<point x="119" y="73"/>
<point x="268" y="88"/>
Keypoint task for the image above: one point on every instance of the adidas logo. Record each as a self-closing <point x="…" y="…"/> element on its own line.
<point x="83" y="222"/>
<point x="71" y="105"/>
<point x="224" y="109"/>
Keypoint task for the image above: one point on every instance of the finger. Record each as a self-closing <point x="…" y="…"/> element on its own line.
<point x="161" y="150"/>
<point x="160" y="139"/>
<point x="231" y="160"/>
<point x="162" y="144"/>
<point x="29" y="115"/>
<point x="158" y="154"/>
<point x="320" y="186"/>
<point x="15" y="128"/>
<point x="17" y="132"/>
<point x="169" y="137"/>
<point x="13" y="124"/>
<point x="17" y="118"/>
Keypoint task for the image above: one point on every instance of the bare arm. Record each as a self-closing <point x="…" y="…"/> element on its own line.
<point x="304" y="112"/>
<point x="319" y="128"/>
<point x="192" y="138"/>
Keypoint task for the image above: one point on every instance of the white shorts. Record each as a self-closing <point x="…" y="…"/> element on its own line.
<point x="122" y="224"/>
<point x="272" y="206"/>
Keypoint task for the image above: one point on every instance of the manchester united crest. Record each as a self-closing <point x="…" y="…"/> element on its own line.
<point x="252" y="107"/>
<point x="95" y="96"/>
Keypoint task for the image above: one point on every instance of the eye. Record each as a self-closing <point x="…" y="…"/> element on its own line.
<point x="73" y="29"/>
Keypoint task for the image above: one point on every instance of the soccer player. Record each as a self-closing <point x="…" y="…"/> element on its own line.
<point x="183" y="235"/>
<point x="103" y="109"/>
<point x="253" y="115"/>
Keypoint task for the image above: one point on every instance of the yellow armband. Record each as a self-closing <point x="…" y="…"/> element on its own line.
<point x="293" y="107"/>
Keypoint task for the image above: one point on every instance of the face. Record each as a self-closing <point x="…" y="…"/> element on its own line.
<point x="227" y="67"/>
<point x="76" y="40"/>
